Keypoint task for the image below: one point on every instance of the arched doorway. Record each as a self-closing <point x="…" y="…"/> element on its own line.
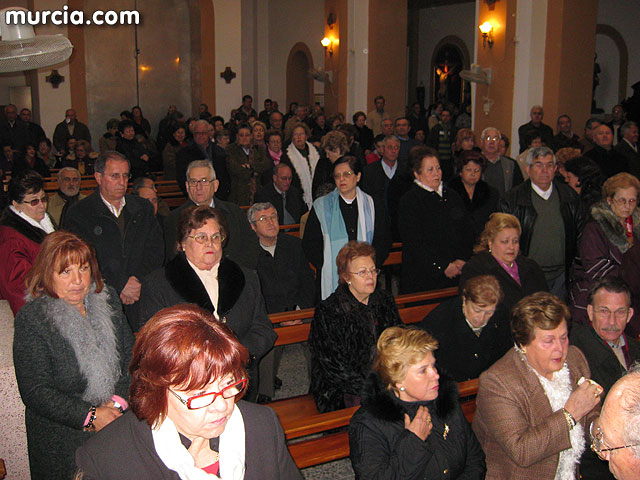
<point x="299" y="82"/>
<point x="450" y="56"/>
<point x="613" y="62"/>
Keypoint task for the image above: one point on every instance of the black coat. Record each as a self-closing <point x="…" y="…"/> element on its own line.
<point x="286" y="279"/>
<point x="124" y="450"/>
<point x="376" y="183"/>
<point x="484" y="202"/>
<point x="382" y="448"/>
<point x="531" y="276"/>
<point x="240" y="303"/>
<point x="193" y="152"/>
<point x="52" y="384"/>
<point x="141" y="250"/>
<point x="610" y="161"/>
<point x="134" y="150"/>
<point x="435" y="231"/>
<point x="461" y="354"/>
<point x="343" y="340"/>
<point x="518" y="202"/>
<point x="295" y="205"/>
<point x="633" y="157"/>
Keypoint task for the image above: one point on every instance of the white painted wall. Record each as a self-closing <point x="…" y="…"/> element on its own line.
<point x="623" y="16"/>
<point x="290" y="22"/>
<point x="528" y="85"/>
<point x="358" y="57"/>
<point x="228" y="31"/>
<point x="437" y="23"/>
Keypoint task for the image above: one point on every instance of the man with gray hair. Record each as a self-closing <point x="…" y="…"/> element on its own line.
<point x="550" y="218"/>
<point x="201" y="185"/>
<point x="628" y="147"/>
<point x="535" y="126"/>
<point x="616" y="433"/>
<point x="68" y="193"/>
<point x="201" y="148"/>
<point x="502" y="173"/>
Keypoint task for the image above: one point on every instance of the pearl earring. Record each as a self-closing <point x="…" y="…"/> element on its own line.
<point x="402" y="389"/>
<point x="348" y="283"/>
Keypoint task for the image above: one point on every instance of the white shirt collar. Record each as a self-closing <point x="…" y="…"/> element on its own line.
<point x="116" y="211"/>
<point x="428" y="189"/>
<point x="45" y="224"/>
<point x="546" y="195"/>
<point x="389" y="171"/>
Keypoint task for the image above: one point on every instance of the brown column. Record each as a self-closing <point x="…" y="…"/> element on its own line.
<point x="335" y="93"/>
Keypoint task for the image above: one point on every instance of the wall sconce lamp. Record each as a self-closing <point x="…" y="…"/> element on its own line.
<point x="487" y="34"/>
<point x="326" y="43"/>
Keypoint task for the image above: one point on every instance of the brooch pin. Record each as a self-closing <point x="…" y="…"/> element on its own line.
<point x="446" y="431"/>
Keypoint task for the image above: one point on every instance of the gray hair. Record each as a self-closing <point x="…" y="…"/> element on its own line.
<point x="630" y="406"/>
<point x="101" y="162"/>
<point x="257" y="207"/>
<point x="390" y="138"/>
<point x="65" y="169"/>
<point x="201" y="123"/>
<point x="626" y="126"/>
<point x="535" y="107"/>
<point x="484" y="132"/>
<point x="538" y="152"/>
<point x="202" y="163"/>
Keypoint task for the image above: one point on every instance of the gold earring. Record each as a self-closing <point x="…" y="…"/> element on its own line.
<point x="524" y="350"/>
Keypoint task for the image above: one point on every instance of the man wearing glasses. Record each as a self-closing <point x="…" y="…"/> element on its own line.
<point x="609" y="352"/>
<point x="615" y="435"/>
<point x="202" y="184"/>
<point x="502" y="173"/>
<point x="122" y="228"/>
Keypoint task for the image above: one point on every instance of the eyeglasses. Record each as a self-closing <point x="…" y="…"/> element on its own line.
<point x="345" y="175"/>
<point x="117" y="176"/>
<point x="620" y="314"/>
<point x="490" y="138"/>
<point x="206" y="399"/>
<point x="203" y="182"/>
<point x="363" y="273"/>
<point x="36" y="201"/>
<point x="268" y="218"/>
<point x="202" y="238"/>
<point x="597" y="441"/>
<point x="623" y="201"/>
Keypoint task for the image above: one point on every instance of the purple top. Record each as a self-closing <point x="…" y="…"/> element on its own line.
<point x="511" y="270"/>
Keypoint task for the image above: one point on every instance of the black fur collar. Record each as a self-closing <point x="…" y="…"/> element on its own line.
<point x="11" y="220"/>
<point x="185" y="281"/>
<point x="384" y="405"/>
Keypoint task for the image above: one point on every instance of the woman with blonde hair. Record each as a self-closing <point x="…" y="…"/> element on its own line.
<point x="410" y="424"/>
<point x="498" y="253"/>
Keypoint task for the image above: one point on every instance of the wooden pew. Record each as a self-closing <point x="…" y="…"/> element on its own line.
<point x="299" y="416"/>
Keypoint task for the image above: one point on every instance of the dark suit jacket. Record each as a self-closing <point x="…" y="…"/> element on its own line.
<point x="61" y="134"/>
<point x="192" y="152"/>
<point x="295" y="205"/>
<point x="242" y="245"/>
<point x="124" y="450"/>
<point x="633" y="157"/>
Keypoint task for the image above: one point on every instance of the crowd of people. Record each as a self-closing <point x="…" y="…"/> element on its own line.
<point x="545" y="250"/>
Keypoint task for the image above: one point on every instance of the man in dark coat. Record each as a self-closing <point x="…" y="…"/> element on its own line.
<point x="122" y="229"/>
<point x="565" y="138"/>
<point x="201" y="148"/>
<point x="607" y="349"/>
<point x="628" y="147"/>
<point x="281" y="192"/>
<point x="12" y="130"/>
<point x="603" y="153"/>
<point x="535" y="125"/>
<point x="201" y="185"/>
<point x="36" y="133"/>
<point x="70" y="127"/>
<point x="549" y="212"/>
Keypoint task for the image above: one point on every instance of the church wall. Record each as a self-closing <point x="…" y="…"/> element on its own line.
<point x="621" y="15"/>
<point x="437" y="23"/>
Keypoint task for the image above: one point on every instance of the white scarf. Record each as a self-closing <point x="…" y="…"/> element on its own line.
<point x="176" y="457"/>
<point x="45" y="224"/>
<point x="303" y="171"/>
<point x="558" y="390"/>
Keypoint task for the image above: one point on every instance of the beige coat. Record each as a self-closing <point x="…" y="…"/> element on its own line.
<point x="56" y="204"/>
<point x="519" y="433"/>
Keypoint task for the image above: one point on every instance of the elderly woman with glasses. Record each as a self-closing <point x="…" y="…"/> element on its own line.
<point x="200" y="274"/>
<point x="187" y="419"/>
<point x="23" y="226"/>
<point x="534" y="405"/>
<point x="345" y="329"/>
<point x="346" y="214"/>
<point x="615" y="228"/>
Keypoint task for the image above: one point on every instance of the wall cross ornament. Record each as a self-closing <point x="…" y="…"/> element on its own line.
<point x="228" y="75"/>
<point x="55" y="79"/>
<point x="491" y="4"/>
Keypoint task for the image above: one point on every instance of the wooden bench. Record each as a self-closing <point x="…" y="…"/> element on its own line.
<point x="299" y="416"/>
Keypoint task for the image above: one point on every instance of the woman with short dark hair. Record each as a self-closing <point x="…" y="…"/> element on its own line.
<point x="71" y="349"/>
<point x="23" y="226"/>
<point x="187" y="419"/>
